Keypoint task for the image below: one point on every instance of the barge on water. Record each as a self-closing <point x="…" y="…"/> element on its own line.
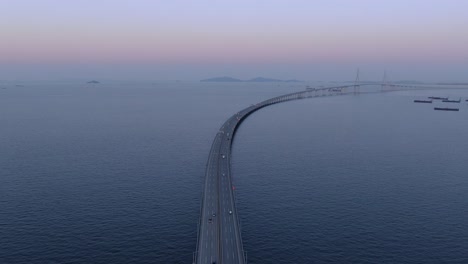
<point x="438" y="98"/>
<point x="451" y="101"/>
<point x="446" y="109"/>
<point x="423" y="101"/>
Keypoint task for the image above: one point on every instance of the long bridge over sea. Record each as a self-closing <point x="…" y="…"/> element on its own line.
<point x="219" y="232"/>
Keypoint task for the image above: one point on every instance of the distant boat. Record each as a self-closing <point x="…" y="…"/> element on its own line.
<point x="438" y="98"/>
<point x="93" y="82"/>
<point x="446" y="109"/>
<point x="451" y="101"/>
<point x="423" y="101"/>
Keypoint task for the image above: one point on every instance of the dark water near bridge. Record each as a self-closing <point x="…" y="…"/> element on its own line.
<point x="113" y="174"/>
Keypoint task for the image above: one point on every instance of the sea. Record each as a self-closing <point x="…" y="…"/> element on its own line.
<point x="113" y="173"/>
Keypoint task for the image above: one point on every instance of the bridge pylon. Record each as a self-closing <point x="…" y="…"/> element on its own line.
<point x="356" y="87"/>
<point x="385" y="85"/>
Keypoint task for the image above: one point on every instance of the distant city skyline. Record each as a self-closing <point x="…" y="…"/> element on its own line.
<point x="192" y="40"/>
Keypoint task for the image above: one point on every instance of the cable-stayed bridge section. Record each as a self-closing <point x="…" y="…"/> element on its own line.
<point x="219" y="232"/>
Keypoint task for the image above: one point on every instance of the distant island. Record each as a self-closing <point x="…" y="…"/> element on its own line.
<point x="257" y="79"/>
<point x="452" y="83"/>
<point x="380" y="82"/>
<point x="261" y="79"/>
<point x="94" y="82"/>
<point x="409" y="82"/>
<point x="221" y="79"/>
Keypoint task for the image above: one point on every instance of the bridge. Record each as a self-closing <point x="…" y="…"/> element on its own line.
<point x="219" y="230"/>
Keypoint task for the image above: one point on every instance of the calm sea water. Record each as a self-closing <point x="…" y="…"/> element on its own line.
<point x="113" y="173"/>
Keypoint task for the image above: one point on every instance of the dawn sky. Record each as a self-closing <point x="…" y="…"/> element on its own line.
<point x="184" y="39"/>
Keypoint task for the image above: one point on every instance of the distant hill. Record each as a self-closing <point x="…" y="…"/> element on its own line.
<point x="221" y="79"/>
<point x="262" y="79"/>
<point x="452" y="83"/>
<point x="257" y="79"/>
<point x="409" y="82"/>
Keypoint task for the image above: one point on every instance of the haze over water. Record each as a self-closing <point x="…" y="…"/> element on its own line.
<point x="193" y="40"/>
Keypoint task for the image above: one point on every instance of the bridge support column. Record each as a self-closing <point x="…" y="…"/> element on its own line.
<point x="384" y="86"/>
<point x="356" y="83"/>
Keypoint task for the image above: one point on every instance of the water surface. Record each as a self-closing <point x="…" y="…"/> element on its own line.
<point x="113" y="173"/>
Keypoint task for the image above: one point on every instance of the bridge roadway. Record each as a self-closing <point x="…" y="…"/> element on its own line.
<point x="219" y="235"/>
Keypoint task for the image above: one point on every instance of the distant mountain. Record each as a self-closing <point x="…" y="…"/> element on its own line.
<point x="409" y="82"/>
<point x="221" y="79"/>
<point x="93" y="82"/>
<point x="262" y="79"/>
<point x="257" y="79"/>
<point x="452" y="83"/>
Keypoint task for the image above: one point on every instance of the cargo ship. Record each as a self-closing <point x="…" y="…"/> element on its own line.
<point x="451" y="101"/>
<point x="438" y="98"/>
<point x="423" y="101"/>
<point x="446" y="109"/>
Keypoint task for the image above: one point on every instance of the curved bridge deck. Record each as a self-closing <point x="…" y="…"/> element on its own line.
<point x="219" y="235"/>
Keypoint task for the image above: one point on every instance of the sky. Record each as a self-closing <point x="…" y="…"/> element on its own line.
<point x="196" y="39"/>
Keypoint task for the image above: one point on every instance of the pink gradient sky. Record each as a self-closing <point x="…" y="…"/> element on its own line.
<point x="260" y="34"/>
